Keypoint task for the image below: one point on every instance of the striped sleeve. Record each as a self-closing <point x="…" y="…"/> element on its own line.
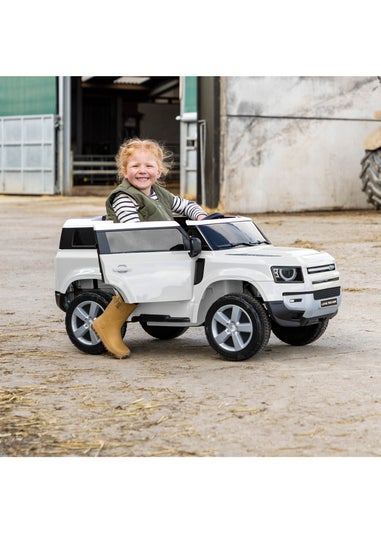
<point x="125" y="208"/>
<point x="190" y="209"/>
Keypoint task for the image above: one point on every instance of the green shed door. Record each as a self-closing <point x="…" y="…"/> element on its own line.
<point x="28" y="160"/>
<point x="28" y="155"/>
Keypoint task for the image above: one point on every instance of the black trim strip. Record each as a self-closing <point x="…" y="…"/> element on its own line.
<point x="159" y="318"/>
<point x="199" y="271"/>
<point x="318" y="295"/>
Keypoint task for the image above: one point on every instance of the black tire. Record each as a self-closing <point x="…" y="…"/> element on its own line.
<point x="302" y="335"/>
<point x="79" y="317"/>
<point x="163" y="332"/>
<point x="371" y="177"/>
<point x="237" y="327"/>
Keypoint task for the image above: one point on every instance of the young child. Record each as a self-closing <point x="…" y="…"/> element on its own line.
<point x="140" y="163"/>
<point x="139" y="197"/>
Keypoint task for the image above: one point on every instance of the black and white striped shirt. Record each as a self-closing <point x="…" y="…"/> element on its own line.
<point x="126" y="208"/>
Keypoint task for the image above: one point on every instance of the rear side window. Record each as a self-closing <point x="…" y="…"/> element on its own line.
<point x="77" y="238"/>
<point x="144" y="240"/>
<point x="84" y="237"/>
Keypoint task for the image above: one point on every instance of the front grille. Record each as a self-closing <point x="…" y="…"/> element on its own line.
<point x="327" y="293"/>
<point x="322" y="268"/>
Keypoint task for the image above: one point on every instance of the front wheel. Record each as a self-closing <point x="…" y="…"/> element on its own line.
<point x="237" y="327"/>
<point x="302" y="335"/>
<point x="371" y="177"/>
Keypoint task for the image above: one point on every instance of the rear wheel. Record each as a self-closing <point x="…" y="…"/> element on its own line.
<point x="371" y="177"/>
<point x="237" y="327"/>
<point x="163" y="332"/>
<point x="81" y="313"/>
<point x="302" y="335"/>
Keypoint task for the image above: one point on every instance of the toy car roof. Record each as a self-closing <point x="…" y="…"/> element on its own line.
<point x="99" y="224"/>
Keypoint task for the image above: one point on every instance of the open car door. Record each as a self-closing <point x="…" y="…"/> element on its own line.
<point x="146" y="262"/>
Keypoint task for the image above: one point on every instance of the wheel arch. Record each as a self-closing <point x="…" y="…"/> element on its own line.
<point x="78" y="285"/>
<point x="221" y="287"/>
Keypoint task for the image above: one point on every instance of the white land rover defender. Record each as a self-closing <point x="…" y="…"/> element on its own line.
<point x="221" y="273"/>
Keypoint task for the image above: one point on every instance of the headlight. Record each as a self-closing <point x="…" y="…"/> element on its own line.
<point x="287" y="274"/>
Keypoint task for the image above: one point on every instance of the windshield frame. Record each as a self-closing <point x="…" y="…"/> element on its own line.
<point x="231" y="233"/>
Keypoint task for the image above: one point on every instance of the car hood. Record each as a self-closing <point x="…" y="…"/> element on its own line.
<point x="305" y="256"/>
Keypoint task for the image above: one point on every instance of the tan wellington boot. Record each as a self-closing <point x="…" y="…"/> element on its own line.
<point x="108" y="326"/>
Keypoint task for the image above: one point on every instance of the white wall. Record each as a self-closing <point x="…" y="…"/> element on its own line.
<point x="295" y="143"/>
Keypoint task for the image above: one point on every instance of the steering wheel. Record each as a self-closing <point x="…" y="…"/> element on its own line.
<point x="217" y="214"/>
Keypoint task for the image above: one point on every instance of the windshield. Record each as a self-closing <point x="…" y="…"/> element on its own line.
<point x="232" y="234"/>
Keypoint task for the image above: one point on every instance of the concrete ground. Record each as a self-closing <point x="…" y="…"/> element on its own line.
<point x="178" y="398"/>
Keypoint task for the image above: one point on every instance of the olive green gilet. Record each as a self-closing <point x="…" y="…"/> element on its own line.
<point x="148" y="209"/>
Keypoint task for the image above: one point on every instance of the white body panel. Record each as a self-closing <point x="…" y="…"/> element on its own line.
<point x="169" y="283"/>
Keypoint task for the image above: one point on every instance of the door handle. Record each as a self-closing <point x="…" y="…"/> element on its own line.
<point x="121" y="269"/>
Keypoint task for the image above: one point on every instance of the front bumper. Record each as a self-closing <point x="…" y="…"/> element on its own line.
<point x="305" y="308"/>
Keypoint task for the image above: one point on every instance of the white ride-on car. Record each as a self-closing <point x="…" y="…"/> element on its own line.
<point x="221" y="273"/>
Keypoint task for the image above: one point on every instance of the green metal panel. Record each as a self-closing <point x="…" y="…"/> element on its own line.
<point x="190" y="94"/>
<point x="28" y="95"/>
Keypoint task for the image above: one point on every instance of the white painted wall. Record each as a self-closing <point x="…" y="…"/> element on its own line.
<point x="294" y="143"/>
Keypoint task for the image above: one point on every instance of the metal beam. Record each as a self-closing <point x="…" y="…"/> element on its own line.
<point x="64" y="136"/>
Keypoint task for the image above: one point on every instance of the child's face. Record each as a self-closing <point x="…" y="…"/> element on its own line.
<point x="142" y="170"/>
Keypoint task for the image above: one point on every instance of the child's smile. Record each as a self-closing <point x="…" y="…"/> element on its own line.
<point x="142" y="170"/>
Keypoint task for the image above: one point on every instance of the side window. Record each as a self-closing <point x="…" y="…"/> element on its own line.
<point x="84" y="237"/>
<point x="77" y="238"/>
<point x="141" y="240"/>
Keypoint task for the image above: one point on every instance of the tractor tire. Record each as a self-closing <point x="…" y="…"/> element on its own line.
<point x="371" y="177"/>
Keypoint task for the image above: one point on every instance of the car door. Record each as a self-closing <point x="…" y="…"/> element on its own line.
<point x="146" y="262"/>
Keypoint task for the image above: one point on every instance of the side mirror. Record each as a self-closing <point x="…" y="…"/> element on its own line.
<point x="194" y="246"/>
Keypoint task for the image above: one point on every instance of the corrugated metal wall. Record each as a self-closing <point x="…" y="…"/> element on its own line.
<point x="28" y="95"/>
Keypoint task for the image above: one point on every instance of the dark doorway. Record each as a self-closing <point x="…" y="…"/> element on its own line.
<point x="106" y="110"/>
<point x="209" y="134"/>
